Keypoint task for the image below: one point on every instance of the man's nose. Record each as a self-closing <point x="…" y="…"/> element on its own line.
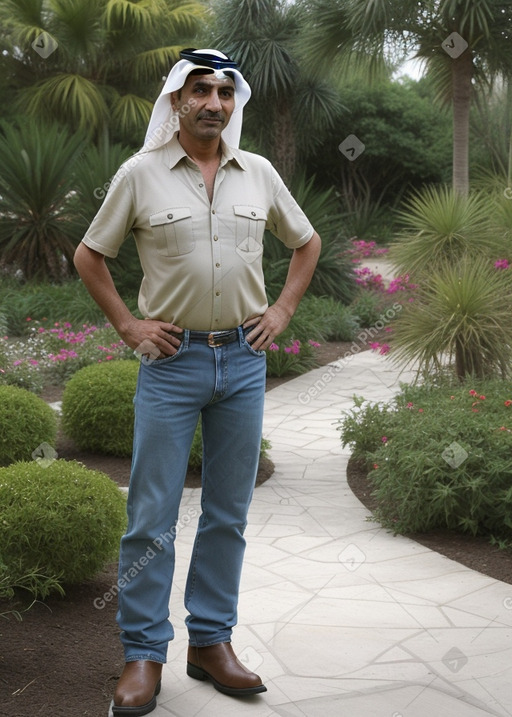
<point x="214" y="103"/>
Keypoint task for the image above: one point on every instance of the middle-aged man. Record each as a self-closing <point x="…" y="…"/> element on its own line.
<point x="198" y="208"/>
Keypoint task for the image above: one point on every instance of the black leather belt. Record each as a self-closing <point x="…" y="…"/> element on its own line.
<point x="214" y="338"/>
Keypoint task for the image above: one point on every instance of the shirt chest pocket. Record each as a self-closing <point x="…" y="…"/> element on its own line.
<point x="250" y="224"/>
<point x="172" y="230"/>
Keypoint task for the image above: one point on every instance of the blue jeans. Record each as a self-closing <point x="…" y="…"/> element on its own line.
<point x="224" y="385"/>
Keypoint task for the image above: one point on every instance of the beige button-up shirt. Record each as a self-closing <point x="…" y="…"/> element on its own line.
<point x="202" y="261"/>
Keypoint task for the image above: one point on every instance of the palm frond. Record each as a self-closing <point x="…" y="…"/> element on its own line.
<point x="67" y="98"/>
<point x="120" y="14"/>
<point x="39" y="228"/>
<point x="150" y="65"/>
<point x="131" y="115"/>
<point x="441" y="224"/>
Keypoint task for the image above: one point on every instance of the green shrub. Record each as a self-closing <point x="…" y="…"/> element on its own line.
<point x="441" y="225"/>
<point x="439" y="457"/>
<point x="322" y="318"/>
<point x="26" y="422"/>
<point x="59" y="524"/>
<point x="97" y="407"/>
<point x="462" y="316"/>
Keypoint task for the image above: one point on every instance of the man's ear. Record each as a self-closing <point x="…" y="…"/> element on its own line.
<point x="174" y="100"/>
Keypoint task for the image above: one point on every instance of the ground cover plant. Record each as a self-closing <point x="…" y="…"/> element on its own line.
<point x="438" y="456"/>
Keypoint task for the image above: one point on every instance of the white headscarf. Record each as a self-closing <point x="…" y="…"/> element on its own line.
<point x="164" y="120"/>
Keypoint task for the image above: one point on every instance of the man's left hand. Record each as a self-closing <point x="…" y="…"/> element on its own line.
<point x="267" y="327"/>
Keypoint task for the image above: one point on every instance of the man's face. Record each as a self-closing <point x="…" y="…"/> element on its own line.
<point x="213" y="104"/>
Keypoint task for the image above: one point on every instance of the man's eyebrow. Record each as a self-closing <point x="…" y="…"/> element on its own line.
<point x="200" y="84"/>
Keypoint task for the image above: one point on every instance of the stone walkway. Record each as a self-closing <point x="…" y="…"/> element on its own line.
<point x="336" y="615"/>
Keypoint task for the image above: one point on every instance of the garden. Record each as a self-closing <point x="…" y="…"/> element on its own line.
<point x="427" y="195"/>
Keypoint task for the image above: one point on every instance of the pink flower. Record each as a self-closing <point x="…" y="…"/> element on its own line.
<point x="501" y="264"/>
<point x="473" y="393"/>
<point x="273" y="347"/>
<point x="384" y="349"/>
<point x="313" y="343"/>
<point x="508" y="403"/>
<point x="384" y="439"/>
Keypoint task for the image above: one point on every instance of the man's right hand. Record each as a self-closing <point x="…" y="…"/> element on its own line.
<point x="151" y="338"/>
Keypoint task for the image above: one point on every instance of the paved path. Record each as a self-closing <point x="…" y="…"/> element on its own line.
<point x="336" y="615"/>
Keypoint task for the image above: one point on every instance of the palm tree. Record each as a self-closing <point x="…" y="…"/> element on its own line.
<point x="40" y="224"/>
<point x="288" y="113"/>
<point x="93" y="64"/>
<point x="465" y="44"/>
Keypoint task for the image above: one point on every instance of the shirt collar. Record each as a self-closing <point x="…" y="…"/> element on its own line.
<point x="176" y="153"/>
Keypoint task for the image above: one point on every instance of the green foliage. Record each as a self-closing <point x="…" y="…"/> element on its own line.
<point x="367" y="308"/>
<point x="39" y="223"/>
<point x="407" y="143"/>
<point x="107" y="61"/>
<point x="59" y="525"/>
<point x="289" y="356"/>
<point x="441" y="225"/>
<point x="439" y="457"/>
<point x="322" y="318"/>
<point x="69" y="302"/>
<point x="26" y="422"/>
<point x="97" y="407"/>
<point x="333" y="276"/>
<point x="463" y="315"/>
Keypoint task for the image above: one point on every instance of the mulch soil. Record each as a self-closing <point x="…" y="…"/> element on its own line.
<point x="62" y="657"/>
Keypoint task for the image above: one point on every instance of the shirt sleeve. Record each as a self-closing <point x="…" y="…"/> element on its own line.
<point x="286" y="219"/>
<point x="114" y="219"/>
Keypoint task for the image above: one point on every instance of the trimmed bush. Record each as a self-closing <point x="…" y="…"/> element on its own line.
<point x="97" y="407"/>
<point x="26" y="422"/>
<point x="439" y="457"/>
<point x="59" y="524"/>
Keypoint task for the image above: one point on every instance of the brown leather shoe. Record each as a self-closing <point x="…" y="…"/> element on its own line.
<point x="219" y="664"/>
<point x="137" y="689"/>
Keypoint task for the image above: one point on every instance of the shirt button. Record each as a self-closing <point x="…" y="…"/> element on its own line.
<point x="215" y="238"/>
<point x="213" y="211"/>
<point x="217" y="265"/>
<point x="217" y="293"/>
<point x="253" y="214"/>
<point x="169" y="216"/>
<point x="201" y="185"/>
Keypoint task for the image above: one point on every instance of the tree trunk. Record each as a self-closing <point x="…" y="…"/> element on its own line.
<point x="462" y="73"/>
<point x="283" y="142"/>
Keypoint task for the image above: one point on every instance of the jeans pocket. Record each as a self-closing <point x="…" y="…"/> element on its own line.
<point x="252" y="351"/>
<point x="155" y="363"/>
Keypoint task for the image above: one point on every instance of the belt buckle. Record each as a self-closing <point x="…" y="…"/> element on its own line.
<point x="214" y="341"/>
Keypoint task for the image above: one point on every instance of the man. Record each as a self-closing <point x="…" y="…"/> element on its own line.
<point x="198" y="207"/>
